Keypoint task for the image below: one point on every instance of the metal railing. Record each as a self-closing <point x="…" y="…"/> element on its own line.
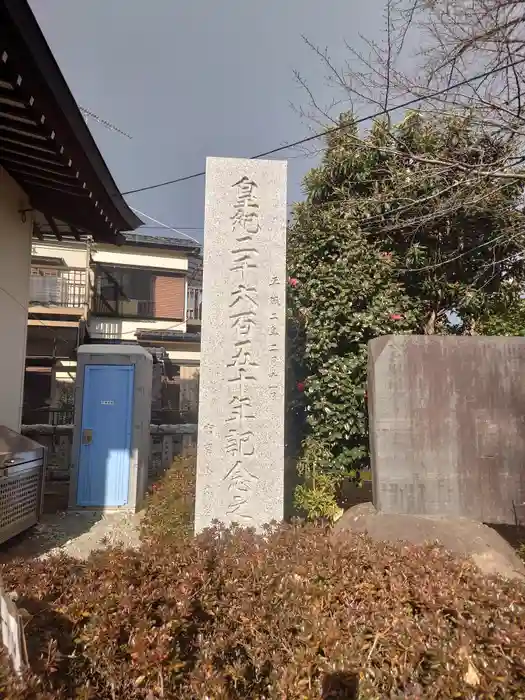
<point x="57" y="287"/>
<point x="139" y="308"/>
<point x="194" y="308"/>
<point x="167" y="441"/>
<point x="49" y="416"/>
<point x="104" y="305"/>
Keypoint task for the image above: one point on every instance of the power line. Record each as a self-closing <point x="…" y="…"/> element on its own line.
<point x="182" y="228"/>
<point x="331" y="130"/>
<point x="160" y="224"/>
<point x="87" y="113"/>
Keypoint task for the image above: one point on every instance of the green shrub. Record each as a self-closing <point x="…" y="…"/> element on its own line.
<point x="235" y="616"/>
<point x="170" y="504"/>
<point x="316" y="496"/>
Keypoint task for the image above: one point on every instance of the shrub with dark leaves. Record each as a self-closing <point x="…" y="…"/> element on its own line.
<point x="295" y="614"/>
<point x="170" y="506"/>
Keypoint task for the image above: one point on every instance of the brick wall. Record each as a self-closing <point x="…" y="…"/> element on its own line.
<point x="168" y="295"/>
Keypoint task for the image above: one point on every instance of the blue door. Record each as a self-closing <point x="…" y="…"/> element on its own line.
<point x="105" y="449"/>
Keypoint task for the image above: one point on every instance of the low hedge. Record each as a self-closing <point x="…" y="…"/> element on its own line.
<point x="171" y="503"/>
<point x="295" y="614"/>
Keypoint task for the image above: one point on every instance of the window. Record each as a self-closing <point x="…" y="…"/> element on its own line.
<point x="138" y="293"/>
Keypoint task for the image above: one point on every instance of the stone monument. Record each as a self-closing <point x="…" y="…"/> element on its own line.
<point x="447" y="426"/>
<point x="240" y="458"/>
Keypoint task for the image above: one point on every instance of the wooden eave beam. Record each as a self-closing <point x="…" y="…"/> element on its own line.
<point x="37" y="232"/>
<point x="53" y="227"/>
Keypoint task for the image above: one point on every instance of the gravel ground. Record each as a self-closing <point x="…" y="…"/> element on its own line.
<point x="75" y="534"/>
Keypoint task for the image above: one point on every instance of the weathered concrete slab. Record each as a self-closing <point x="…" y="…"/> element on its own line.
<point x="447" y="426"/>
<point x="240" y="463"/>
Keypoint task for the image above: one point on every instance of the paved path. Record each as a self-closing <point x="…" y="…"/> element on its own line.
<point x="75" y="534"/>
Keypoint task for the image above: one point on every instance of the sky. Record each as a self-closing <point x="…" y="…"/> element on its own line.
<point x="189" y="79"/>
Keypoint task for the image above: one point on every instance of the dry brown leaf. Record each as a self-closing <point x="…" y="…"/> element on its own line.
<point x="471" y="676"/>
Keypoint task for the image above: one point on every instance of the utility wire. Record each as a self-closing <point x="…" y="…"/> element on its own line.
<point x="273" y="151"/>
<point x="87" y="113"/>
<point x="160" y="224"/>
<point x="340" y="127"/>
<point x="182" y="228"/>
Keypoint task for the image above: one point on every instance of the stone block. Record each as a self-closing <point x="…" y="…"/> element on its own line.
<point x="447" y="426"/>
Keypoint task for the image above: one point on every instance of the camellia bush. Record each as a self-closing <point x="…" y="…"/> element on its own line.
<point x="402" y="231"/>
<point x="508" y="320"/>
<point x="341" y="313"/>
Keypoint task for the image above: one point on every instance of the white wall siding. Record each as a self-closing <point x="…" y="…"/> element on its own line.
<point x="113" y="328"/>
<point x="135" y="257"/>
<point x="74" y="255"/>
<point x="15" y="265"/>
<point x="181" y="356"/>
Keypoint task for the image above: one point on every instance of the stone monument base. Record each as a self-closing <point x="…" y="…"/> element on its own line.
<point x="465" y="538"/>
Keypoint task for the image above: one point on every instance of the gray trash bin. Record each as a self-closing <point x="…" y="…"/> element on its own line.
<point x="22" y="476"/>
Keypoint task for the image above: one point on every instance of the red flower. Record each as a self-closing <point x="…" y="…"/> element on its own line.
<point x="301" y="386"/>
<point x="396" y="317"/>
<point x="293" y="282"/>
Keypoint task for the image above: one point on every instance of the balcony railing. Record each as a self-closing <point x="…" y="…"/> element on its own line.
<point x="194" y="309"/>
<point x="48" y="416"/>
<point x="139" y="308"/>
<point x="144" y="308"/>
<point x="54" y="287"/>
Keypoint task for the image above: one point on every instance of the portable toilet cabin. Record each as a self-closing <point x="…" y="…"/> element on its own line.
<point x="111" y="438"/>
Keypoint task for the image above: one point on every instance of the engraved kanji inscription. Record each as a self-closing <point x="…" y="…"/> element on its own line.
<point x="240" y="443"/>
<point x="244" y="260"/>
<point x="241" y="409"/>
<point x="243" y="355"/>
<point x="244" y="293"/>
<point x="241" y="375"/>
<point x="240" y="478"/>
<point x="244" y="322"/>
<point x="238" y="506"/>
<point x="246" y="207"/>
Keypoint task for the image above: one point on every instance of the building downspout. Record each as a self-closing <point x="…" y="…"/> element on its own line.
<point x="87" y="294"/>
<point x="87" y="301"/>
<point x="186" y="291"/>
